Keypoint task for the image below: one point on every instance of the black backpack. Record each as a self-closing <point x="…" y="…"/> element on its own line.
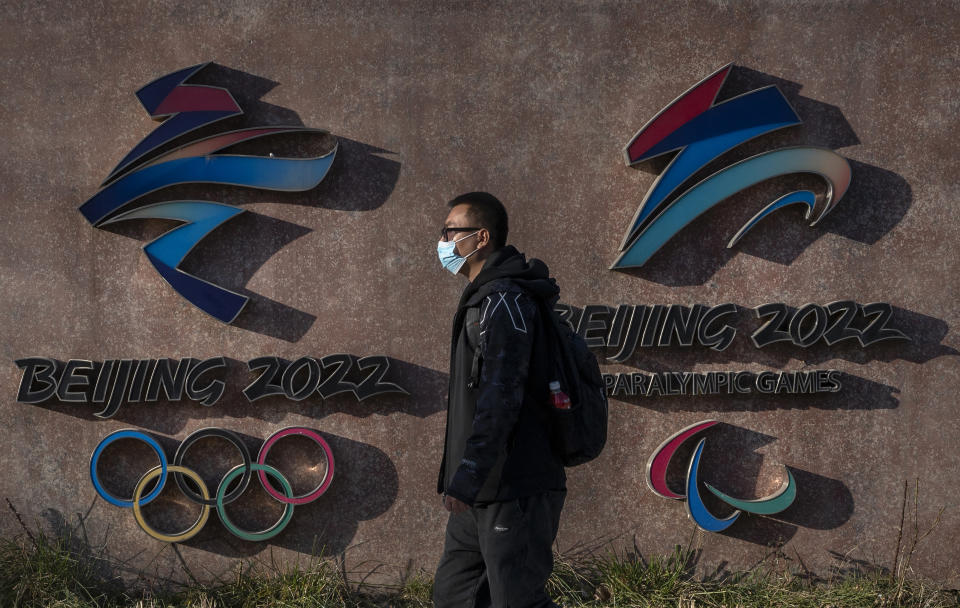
<point x="580" y="432"/>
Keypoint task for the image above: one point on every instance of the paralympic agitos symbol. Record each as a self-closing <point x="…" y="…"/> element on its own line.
<point x="657" y="480"/>
<point x="699" y="130"/>
<point x="184" y="108"/>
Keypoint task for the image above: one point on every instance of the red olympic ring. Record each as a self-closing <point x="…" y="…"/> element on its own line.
<point x="324" y="483"/>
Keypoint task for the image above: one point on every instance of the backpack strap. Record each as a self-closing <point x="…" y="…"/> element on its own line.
<point x="474" y="380"/>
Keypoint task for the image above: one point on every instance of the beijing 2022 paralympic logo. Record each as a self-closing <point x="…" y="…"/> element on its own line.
<point x="699" y="130"/>
<point x="657" y="480"/>
<point x="184" y="108"/>
<point x="200" y="494"/>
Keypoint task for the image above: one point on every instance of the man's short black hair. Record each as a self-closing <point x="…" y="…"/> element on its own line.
<point x="486" y="211"/>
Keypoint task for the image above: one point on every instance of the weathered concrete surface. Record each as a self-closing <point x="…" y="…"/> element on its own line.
<point x="534" y="104"/>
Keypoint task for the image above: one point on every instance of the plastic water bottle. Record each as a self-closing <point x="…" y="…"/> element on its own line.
<point x="558" y="398"/>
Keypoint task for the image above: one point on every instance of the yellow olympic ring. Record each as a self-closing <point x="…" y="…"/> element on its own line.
<point x="180" y="536"/>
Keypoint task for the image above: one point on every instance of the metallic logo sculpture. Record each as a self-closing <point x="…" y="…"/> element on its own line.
<point x="699" y="130"/>
<point x="657" y="480"/>
<point x="221" y="497"/>
<point x="185" y="109"/>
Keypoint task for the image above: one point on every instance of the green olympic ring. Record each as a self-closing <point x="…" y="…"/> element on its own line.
<point x="263" y="534"/>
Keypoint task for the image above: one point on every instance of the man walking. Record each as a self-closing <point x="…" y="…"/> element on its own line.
<point x="500" y="478"/>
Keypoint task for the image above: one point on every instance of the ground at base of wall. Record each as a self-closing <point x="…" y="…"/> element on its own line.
<point x="39" y="570"/>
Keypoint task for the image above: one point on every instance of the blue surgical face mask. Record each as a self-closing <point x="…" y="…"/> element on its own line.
<point x="447" y="252"/>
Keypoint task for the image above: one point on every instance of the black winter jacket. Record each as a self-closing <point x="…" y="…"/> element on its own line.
<point x="497" y="445"/>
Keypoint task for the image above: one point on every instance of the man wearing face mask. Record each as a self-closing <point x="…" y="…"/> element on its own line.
<point x="500" y="478"/>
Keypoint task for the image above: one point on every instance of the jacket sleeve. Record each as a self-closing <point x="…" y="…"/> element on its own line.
<point x="507" y="322"/>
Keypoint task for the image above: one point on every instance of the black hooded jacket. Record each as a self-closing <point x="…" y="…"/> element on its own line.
<point x="497" y="445"/>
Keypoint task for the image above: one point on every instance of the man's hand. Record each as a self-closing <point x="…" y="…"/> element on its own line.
<point x="453" y="505"/>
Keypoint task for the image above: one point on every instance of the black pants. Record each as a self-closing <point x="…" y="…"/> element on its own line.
<point x="499" y="555"/>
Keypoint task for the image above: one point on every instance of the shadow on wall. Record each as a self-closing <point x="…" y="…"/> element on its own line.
<point x="874" y="204"/>
<point x="731" y="463"/>
<point x="822" y="504"/>
<point x="365" y="485"/>
<point x="361" y="179"/>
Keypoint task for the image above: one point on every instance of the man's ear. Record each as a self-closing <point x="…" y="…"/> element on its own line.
<point x="483" y="238"/>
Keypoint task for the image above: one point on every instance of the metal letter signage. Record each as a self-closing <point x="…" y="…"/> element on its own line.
<point x="625" y="327"/>
<point x="185" y="109"/>
<point x="699" y="130"/>
<point x="114" y="382"/>
<point x="657" y="480"/>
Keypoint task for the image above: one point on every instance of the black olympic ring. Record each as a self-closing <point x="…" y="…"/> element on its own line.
<point x="223" y="434"/>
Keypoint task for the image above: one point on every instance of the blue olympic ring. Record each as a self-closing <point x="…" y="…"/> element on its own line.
<point x="124" y="434"/>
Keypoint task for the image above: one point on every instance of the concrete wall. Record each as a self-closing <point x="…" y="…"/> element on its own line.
<point x="533" y="103"/>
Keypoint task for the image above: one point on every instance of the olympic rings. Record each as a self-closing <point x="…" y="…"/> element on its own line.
<point x="221" y="497"/>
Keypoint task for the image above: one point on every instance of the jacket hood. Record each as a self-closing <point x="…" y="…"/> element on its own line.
<point x="532" y="276"/>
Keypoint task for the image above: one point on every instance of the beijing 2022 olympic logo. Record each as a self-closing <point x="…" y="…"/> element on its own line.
<point x="199" y="492"/>
<point x="699" y="130"/>
<point x="657" y="480"/>
<point x="184" y="108"/>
